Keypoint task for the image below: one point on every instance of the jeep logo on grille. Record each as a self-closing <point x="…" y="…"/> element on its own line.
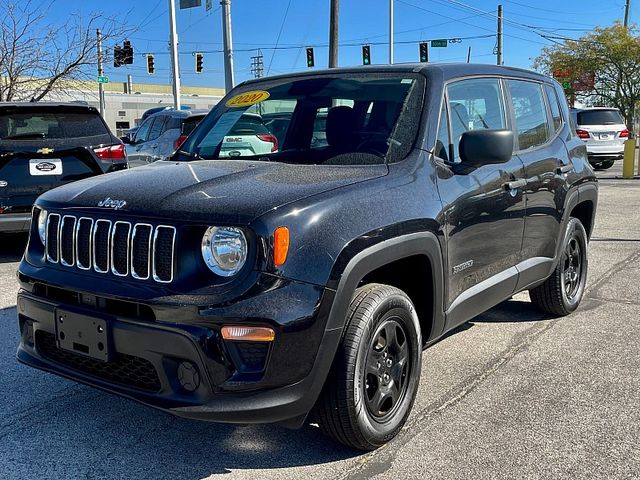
<point x="110" y="203"/>
<point x="45" y="166"/>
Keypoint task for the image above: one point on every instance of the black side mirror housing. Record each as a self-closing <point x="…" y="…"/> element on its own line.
<point x="482" y="147"/>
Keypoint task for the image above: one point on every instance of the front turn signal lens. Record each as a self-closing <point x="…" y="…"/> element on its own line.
<point x="280" y="246"/>
<point x="240" y="333"/>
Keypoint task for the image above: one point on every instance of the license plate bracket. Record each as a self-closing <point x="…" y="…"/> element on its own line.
<point x="84" y="335"/>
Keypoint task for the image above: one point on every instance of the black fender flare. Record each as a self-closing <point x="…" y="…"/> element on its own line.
<point x="383" y="253"/>
<point x="577" y="195"/>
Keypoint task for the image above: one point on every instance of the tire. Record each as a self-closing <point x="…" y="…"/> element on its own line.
<point x="562" y="292"/>
<point x="607" y="164"/>
<point x="379" y="359"/>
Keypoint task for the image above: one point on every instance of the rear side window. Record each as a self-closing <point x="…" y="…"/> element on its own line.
<point x="532" y="125"/>
<point x="189" y="124"/>
<point x="46" y="124"/>
<point x="556" y="116"/>
<point x="156" y="127"/>
<point x="600" y="117"/>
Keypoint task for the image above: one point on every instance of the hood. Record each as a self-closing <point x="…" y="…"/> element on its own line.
<point x="232" y="192"/>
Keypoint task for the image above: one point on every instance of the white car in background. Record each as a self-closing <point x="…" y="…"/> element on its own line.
<point x="248" y="137"/>
<point x="604" y="132"/>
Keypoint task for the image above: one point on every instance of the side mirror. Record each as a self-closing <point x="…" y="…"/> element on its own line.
<point x="482" y="147"/>
<point x="126" y="140"/>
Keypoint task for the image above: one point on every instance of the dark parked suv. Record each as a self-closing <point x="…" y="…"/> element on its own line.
<point x="45" y="145"/>
<point x="265" y="288"/>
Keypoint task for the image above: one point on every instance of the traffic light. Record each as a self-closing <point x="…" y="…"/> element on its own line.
<point x="424" y="52"/>
<point x="151" y="69"/>
<point x="199" y="60"/>
<point x="366" y="55"/>
<point x="127" y="53"/>
<point x="117" y="56"/>
<point x="310" y="60"/>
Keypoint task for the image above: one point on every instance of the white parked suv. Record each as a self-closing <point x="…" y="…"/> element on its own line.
<point x="603" y="131"/>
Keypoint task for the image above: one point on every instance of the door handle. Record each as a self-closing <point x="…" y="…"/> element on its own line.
<point x="515" y="184"/>
<point x="564" y="169"/>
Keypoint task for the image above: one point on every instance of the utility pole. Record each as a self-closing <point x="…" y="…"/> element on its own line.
<point x="390" y="32"/>
<point x="500" y="45"/>
<point x="469" y="55"/>
<point x="174" y="54"/>
<point x="100" y="72"/>
<point x="626" y="14"/>
<point x="228" y="44"/>
<point x="333" y="34"/>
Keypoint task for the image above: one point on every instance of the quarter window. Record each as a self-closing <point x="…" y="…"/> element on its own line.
<point x="442" y="142"/>
<point x="532" y="125"/>
<point x="474" y="105"/>
<point x="556" y="116"/>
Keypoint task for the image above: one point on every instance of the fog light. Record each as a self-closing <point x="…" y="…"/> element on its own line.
<point x="241" y="333"/>
<point x="188" y="376"/>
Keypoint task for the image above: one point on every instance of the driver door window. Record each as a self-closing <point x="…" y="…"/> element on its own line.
<point x="474" y="105"/>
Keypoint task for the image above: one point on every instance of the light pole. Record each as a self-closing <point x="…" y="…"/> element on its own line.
<point x="390" y="32"/>
<point x="228" y="44"/>
<point x="174" y="54"/>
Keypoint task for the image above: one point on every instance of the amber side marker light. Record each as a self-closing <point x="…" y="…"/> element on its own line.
<point x="239" y="333"/>
<point x="280" y="246"/>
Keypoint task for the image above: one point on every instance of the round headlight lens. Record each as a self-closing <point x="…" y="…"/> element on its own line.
<point x="42" y="225"/>
<point x="224" y="250"/>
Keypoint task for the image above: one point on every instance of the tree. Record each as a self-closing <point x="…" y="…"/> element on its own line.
<point x="612" y="55"/>
<point x="37" y="57"/>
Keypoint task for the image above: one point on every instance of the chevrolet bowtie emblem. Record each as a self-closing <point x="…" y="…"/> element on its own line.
<point x="45" y="150"/>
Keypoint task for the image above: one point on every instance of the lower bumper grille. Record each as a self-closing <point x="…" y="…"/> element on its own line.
<point x="125" y="370"/>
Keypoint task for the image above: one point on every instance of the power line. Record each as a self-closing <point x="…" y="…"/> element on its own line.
<point x="284" y="19"/>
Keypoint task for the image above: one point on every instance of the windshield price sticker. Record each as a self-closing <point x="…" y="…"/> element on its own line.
<point x="247" y="99"/>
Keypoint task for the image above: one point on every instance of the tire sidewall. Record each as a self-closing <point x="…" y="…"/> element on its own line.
<point x="400" y="308"/>
<point x="574" y="229"/>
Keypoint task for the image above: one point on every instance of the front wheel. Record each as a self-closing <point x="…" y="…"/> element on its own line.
<point x="562" y="292"/>
<point x="374" y="378"/>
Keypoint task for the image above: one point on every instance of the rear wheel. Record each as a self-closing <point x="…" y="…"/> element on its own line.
<point x="374" y="379"/>
<point x="607" y="164"/>
<point x="562" y="292"/>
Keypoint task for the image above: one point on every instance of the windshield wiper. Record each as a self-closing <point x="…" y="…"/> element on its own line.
<point x="26" y="135"/>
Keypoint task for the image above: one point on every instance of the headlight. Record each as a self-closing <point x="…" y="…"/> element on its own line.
<point x="42" y="225"/>
<point x="224" y="250"/>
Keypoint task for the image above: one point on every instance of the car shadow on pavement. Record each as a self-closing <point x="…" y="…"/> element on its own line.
<point x="12" y="246"/>
<point x="53" y="428"/>
<point x="512" y="311"/>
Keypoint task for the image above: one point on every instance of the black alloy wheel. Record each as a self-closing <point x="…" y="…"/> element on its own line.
<point x="370" y="390"/>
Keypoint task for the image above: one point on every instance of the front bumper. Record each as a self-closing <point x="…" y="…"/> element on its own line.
<point x="15" y="222"/>
<point x="148" y="356"/>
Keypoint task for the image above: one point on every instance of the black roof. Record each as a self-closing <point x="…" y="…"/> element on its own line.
<point x="446" y="70"/>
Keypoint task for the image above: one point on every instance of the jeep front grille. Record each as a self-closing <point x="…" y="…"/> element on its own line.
<point x="138" y="250"/>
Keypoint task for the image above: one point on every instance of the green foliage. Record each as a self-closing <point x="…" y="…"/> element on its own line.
<point x="612" y="54"/>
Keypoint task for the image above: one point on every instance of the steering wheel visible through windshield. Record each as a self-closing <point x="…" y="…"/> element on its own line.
<point x="343" y="119"/>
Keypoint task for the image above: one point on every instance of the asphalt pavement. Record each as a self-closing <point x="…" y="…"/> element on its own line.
<point x="511" y="394"/>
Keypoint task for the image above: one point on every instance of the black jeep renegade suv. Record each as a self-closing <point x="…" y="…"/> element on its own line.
<point x="307" y="280"/>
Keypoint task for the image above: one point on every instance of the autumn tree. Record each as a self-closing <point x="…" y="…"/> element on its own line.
<point x="38" y="57"/>
<point x="611" y="55"/>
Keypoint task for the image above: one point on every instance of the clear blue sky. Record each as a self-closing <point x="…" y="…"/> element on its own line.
<point x="295" y="24"/>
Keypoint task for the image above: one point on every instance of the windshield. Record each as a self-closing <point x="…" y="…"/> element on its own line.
<point x="600" y="117"/>
<point x="337" y="120"/>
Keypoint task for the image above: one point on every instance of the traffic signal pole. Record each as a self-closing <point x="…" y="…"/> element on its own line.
<point x="390" y="32"/>
<point x="227" y="44"/>
<point x="174" y="54"/>
<point x="100" y="72"/>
